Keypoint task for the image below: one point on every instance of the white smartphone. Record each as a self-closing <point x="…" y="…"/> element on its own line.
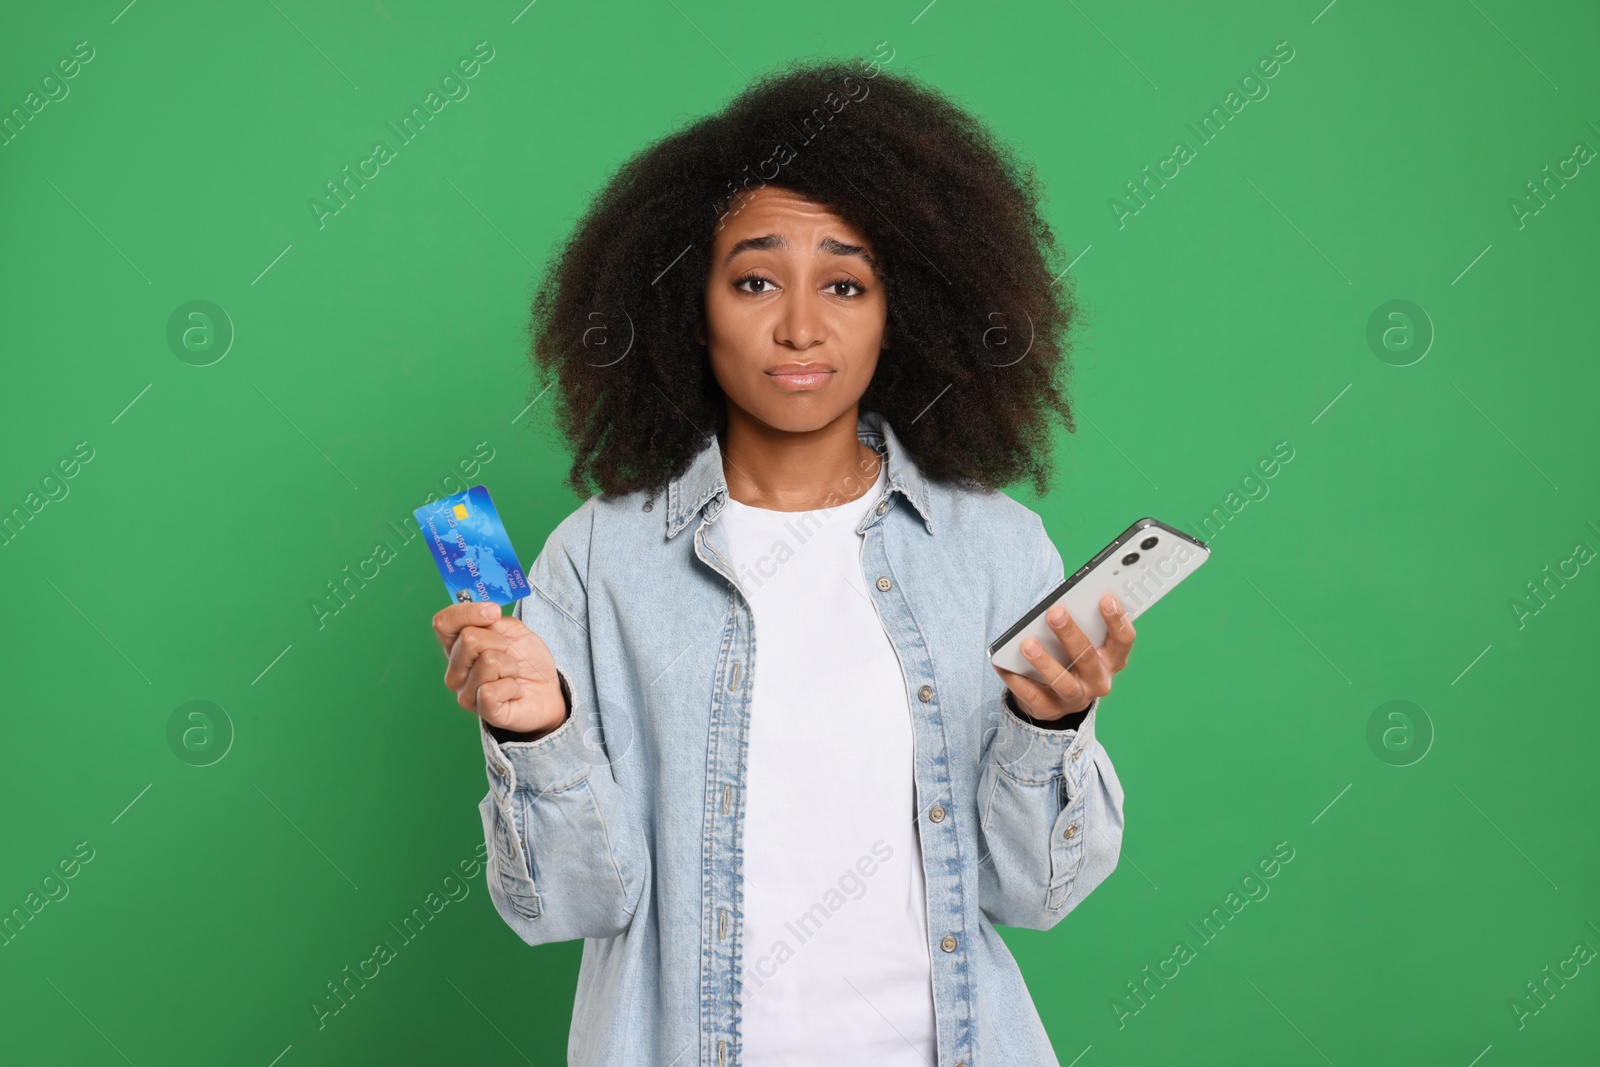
<point x="1141" y="565"/>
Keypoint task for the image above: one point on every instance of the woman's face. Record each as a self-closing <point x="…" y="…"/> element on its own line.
<point x="795" y="311"/>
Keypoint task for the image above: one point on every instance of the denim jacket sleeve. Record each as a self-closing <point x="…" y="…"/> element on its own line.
<point x="566" y="858"/>
<point x="1049" y="802"/>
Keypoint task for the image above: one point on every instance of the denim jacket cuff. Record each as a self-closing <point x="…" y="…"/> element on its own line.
<point x="1037" y="754"/>
<point x="556" y="761"/>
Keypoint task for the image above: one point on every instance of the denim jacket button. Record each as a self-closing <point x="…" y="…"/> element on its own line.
<point x="1070" y="832"/>
<point x="937" y="813"/>
<point x="884" y="584"/>
<point x="948" y="944"/>
<point x="925" y="694"/>
<point x="883" y="507"/>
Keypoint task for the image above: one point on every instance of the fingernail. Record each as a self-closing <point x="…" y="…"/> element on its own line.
<point x="1110" y="604"/>
<point x="1030" y="647"/>
<point x="490" y="610"/>
<point x="1056" y="617"/>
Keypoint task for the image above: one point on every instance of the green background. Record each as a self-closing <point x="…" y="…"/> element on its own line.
<point x="371" y="355"/>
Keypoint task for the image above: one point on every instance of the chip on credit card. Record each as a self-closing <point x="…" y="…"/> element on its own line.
<point x="472" y="549"/>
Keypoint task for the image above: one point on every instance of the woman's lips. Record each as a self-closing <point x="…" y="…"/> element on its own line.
<point x="801" y="379"/>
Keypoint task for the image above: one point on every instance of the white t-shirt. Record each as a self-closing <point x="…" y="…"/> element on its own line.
<point x="836" y="958"/>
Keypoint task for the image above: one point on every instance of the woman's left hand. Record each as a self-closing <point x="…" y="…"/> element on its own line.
<point x="1074" y="687"/>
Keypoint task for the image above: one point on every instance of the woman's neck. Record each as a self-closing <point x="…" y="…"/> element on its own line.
<point x="781" y="470"/>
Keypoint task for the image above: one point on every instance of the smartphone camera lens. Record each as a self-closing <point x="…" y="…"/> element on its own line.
<point x="1130" y="559"/>
<point x="1148" y="543"/>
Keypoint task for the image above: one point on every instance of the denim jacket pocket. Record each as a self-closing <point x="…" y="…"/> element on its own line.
<point x="508" y="860"/>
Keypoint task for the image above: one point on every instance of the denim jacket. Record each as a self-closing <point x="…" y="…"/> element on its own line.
<point x="623" y="826"/>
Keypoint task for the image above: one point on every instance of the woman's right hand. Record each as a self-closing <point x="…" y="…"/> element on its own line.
<point x="499" y="669"/>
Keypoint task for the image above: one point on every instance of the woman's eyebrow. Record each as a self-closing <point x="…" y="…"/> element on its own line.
<point x="827" y="244"/>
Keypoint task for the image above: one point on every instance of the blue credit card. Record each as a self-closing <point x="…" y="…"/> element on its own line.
<point x="472" y="550"/>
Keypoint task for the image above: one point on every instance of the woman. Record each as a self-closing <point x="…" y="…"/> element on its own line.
<point x="743" y="736"/>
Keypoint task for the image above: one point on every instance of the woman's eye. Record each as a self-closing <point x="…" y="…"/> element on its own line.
<point x="749" y="281"/>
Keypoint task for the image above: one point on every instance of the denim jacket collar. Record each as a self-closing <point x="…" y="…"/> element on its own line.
<point x="704" y="481"/>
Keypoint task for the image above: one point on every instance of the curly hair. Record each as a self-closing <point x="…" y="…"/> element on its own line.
<point x="979" y="357"/>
